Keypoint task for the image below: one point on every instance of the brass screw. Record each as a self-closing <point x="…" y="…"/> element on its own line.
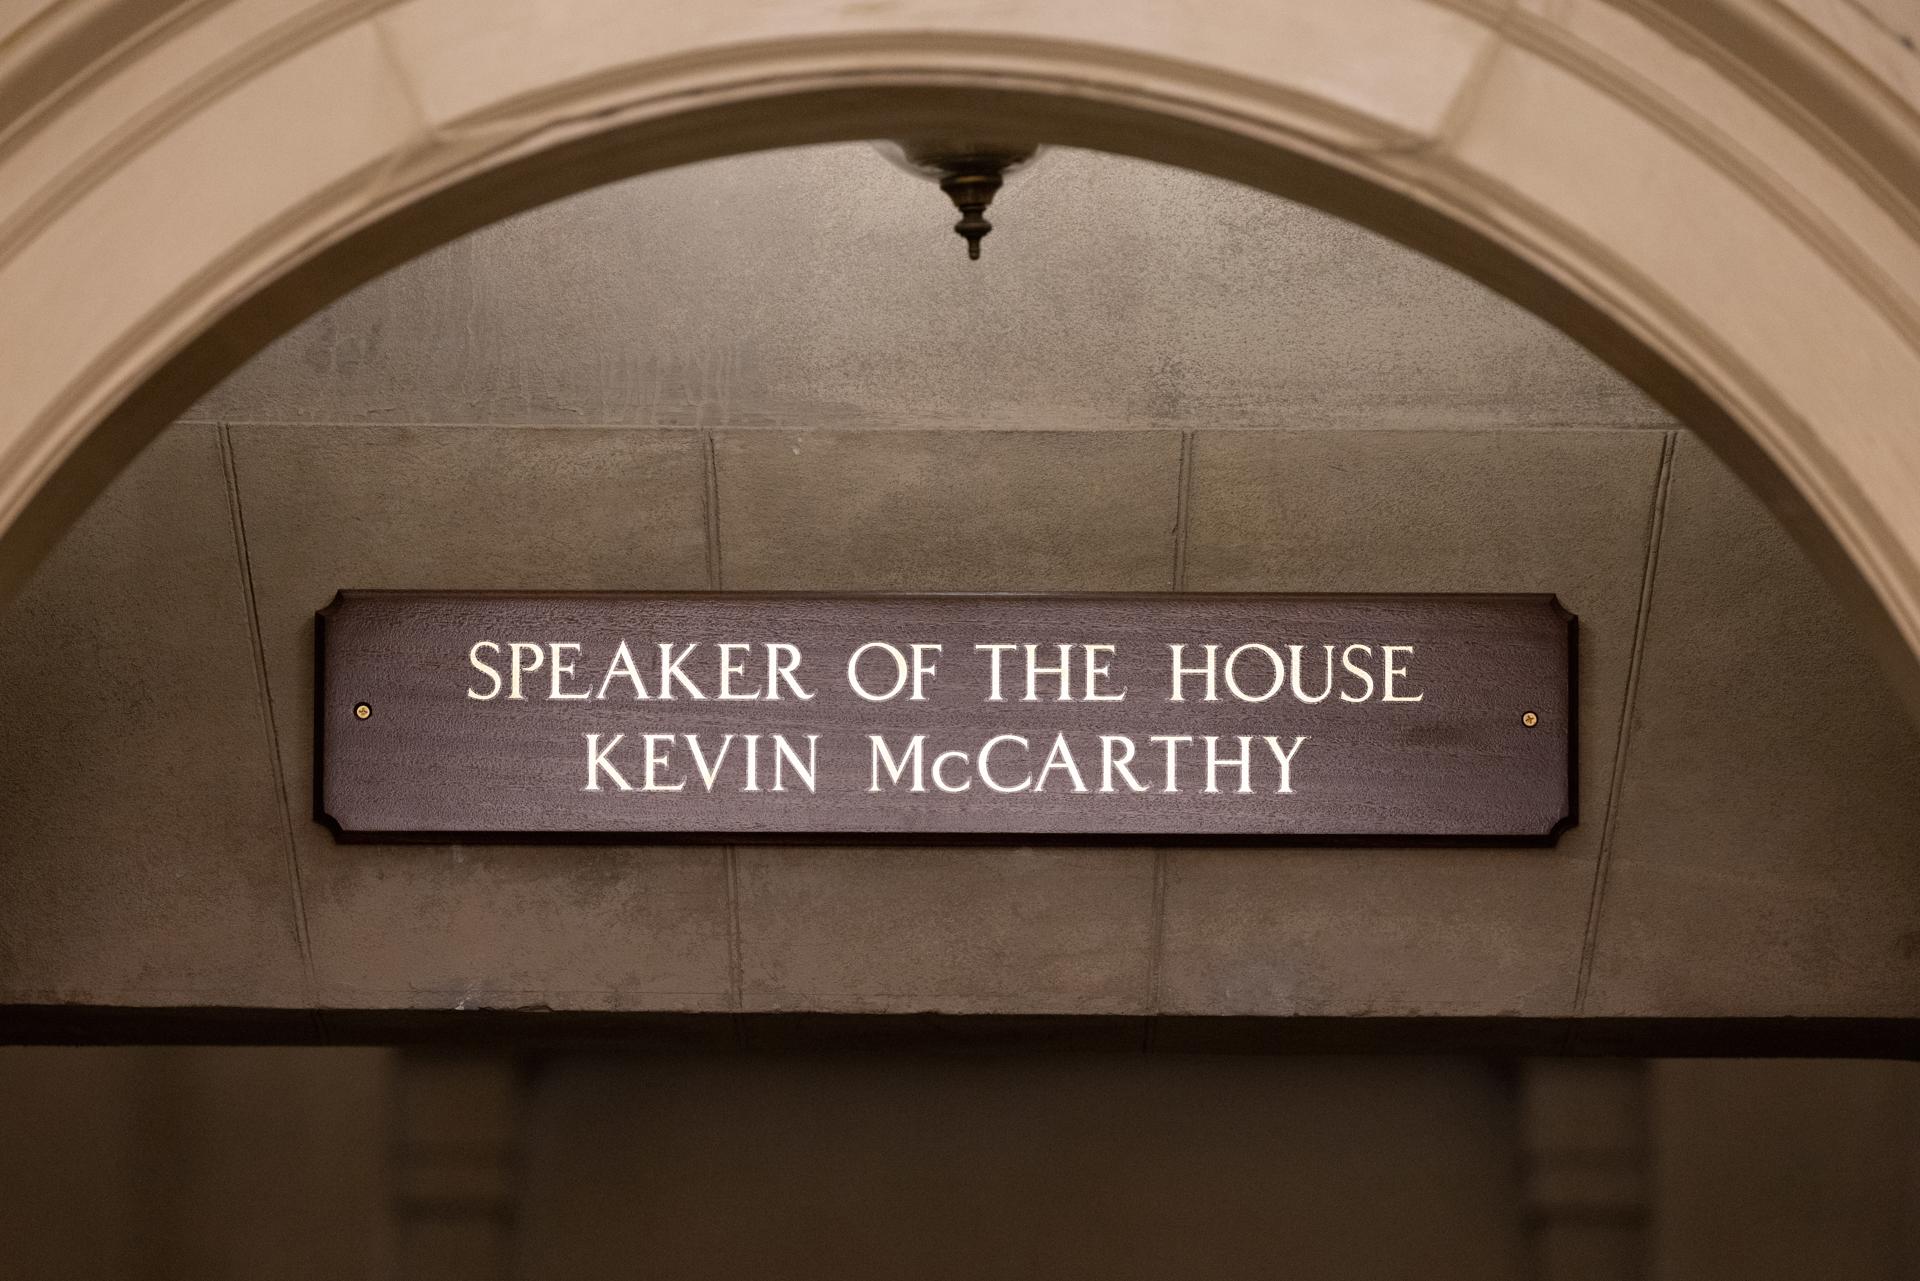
<point x="1529" y="720"/>
<point x="363" y="710"/>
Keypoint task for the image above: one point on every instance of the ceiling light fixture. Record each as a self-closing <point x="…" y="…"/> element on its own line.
<point x="970" y="172"/>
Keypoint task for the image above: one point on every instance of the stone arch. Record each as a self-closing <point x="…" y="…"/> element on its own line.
<point x="1718" y="204"/>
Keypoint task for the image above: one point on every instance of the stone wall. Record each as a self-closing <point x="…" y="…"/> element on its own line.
<point x="781" y="372"/>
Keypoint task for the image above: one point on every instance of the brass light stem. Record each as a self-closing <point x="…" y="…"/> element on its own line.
<point x="971" y="193"/>
<point x="970" y="171"/>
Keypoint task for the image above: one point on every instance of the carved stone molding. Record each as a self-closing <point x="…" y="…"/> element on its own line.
<point x="1710" y="196"/>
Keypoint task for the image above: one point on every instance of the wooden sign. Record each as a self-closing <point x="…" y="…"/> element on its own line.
<point x="733" y="716"/>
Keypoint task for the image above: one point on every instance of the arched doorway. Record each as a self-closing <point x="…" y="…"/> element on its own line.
<point x="1672" y="192"/>
<point x="352" y="451"/>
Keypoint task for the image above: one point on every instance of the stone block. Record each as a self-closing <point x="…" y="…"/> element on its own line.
<point x="947" y="511"/>
<point x="955" y="929"/>
<point x="146" y="853"/>
<point x="580" y="927"/>
<point x="1764" y="862"/>
<point x="1450" y="931"/>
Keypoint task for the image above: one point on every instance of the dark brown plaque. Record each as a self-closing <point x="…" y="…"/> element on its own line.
<point x="735" y="716"/>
